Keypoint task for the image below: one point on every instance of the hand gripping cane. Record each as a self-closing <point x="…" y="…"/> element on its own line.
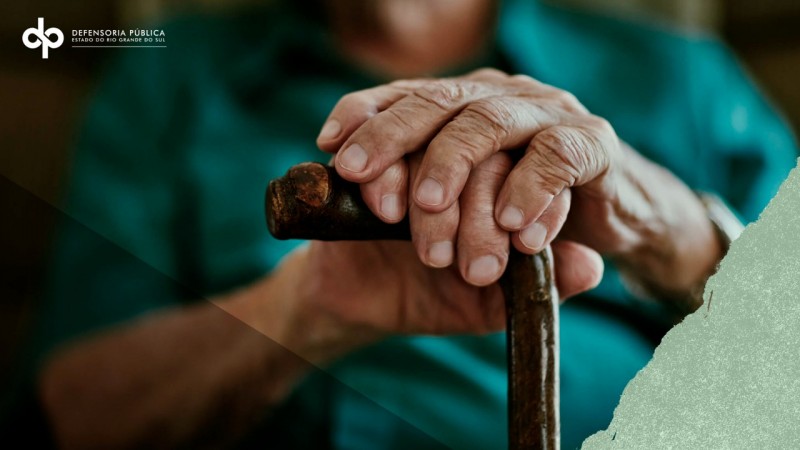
<point x="312" y="202"/>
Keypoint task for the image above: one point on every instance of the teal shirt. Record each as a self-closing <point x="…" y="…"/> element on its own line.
<point x="179" y="143"/>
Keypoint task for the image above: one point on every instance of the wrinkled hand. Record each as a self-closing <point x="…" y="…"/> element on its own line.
<point x="440" y="142"/>
<point x="368" y="290"/>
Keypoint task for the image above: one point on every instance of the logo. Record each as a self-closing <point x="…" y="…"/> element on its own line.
<point x="43" y="37"/>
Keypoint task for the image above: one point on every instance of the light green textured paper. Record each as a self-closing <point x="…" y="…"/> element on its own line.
<point x="728" y="376"/>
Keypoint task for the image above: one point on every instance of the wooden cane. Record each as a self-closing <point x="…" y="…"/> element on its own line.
<point x="312" y="202"/>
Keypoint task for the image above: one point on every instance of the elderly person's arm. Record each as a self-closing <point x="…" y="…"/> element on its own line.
<point x="203" y="375"/>
<point x="576" y="179"/>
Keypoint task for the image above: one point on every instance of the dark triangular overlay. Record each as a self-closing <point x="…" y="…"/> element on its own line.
<point x="27" y="226"/>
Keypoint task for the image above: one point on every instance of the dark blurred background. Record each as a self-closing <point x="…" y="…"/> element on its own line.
<point x="42" y="103"/>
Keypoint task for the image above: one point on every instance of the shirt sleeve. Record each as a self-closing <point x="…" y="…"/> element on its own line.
<point x="748" y="149"/>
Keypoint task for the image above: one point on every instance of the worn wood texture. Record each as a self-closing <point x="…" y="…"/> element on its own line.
<point x="532" y="346"/>
<point x="312" y="202"/>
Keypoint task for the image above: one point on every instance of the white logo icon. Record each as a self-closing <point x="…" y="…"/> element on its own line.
<point x="42" y="37"/>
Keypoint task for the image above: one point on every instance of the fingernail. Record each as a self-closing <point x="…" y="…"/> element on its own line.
<point x="533" y="237"/>
<point x="512" y="218"/>
<point x="353" y="158"/>
<point x="430" y="192"/>
<point x="440" y="254"/>
<point x="483" y="270"/>
<point x="390" y="206"/>
<point x="330" y="130"/>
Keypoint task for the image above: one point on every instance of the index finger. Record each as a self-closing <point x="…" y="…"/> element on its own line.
<point x="355" y="108"/>
<point x="406" y="126"/>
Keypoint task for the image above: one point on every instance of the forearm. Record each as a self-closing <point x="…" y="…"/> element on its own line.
<point x="306" y="327"/>
<point x="166" y="380"/>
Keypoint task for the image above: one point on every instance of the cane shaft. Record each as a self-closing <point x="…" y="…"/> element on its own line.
<point x="313" y="202"/>
<point x="532" y="342"/>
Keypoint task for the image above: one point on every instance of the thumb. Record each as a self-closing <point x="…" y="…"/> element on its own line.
<point x="577" y="267"/>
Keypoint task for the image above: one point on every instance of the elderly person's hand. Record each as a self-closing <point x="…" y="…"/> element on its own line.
<point x="575" y="174"/>
<point x="346" y="294"/>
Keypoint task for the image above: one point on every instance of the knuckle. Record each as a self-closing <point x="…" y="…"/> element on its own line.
<point x="496" y="115"/>
<point x="435" y="227"/>
<point x="497" y="166"/>
<point x="460" y="148"/>
<point x="527" y="82"/>
<point x="356" y="103"/>
<point x="596" y="123"/>
<point x="550" y="179"/>
<point x="601" y="135"/>
<point x="354" y="100"/>
<point x="381" y="137"/>
<point x="564" y="96"/>
<point x="394" y="177"/>
<point x="568" y="101"/>
<point x="600" y="124"/>
<point x="478" y="206"/>
<point x="523" y="77"/>
<point x="445" y="94"/>
<point x="483" y="238"/>
<point x="404" y="84"/>
<point x="562" y="151"/>
<point x="400" y="122"/>
<point x="489" y="72"/>
<point x="459" y="153"/>
<point x="557" y="212"/>
<point x="556" y="178"/>
<point x="418" y="237"/>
